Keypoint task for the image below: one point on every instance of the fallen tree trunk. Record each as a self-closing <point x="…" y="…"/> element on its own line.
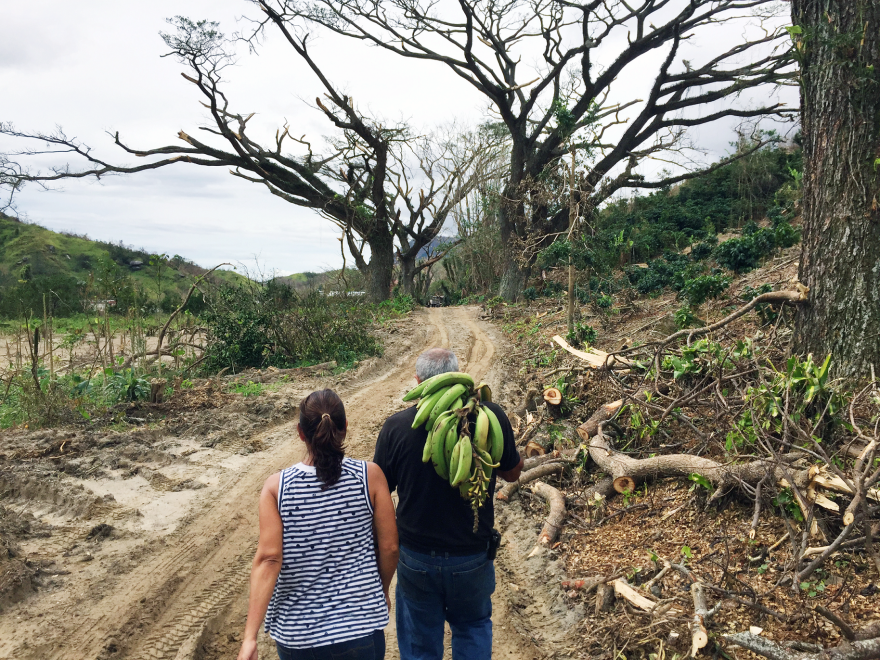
<point x="509" y="489"/>
<point x="683" y="465"/>
<point x="605" y="412"/>
<point x="553" y="457"/>
<point x="557" y="512"/>
<point x="860" y="649"/>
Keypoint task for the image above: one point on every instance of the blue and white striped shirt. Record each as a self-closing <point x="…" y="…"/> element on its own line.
<point x="329" y="588"/>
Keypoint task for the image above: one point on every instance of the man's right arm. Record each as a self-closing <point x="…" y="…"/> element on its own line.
<point x="511" y="461"/>
<point x="512" y="474"/>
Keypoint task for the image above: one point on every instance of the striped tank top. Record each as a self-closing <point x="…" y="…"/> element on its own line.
<point x="329" y="588"/>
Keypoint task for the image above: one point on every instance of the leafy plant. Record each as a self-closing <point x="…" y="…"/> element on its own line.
<point x="810" y="396"/>
<point x="125" y="385"/>
<point x="581" y="335"/>
<point x="685" y="318"/>
<point x="699" y="480"/>
<point x="696" y="291"/>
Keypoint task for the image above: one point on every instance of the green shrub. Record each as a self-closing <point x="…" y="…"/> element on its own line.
<point x="699" y="289"/>
<point x="744" y="254"/>
<point x="126" y="386"/>
<point x="581" y="335"/>
<point x="259" y="325"/>
<point x="703" y="250"/>
<point x="604" y="301"/>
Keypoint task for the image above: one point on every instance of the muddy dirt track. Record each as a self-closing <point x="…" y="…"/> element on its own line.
<point x="168" y="579"/>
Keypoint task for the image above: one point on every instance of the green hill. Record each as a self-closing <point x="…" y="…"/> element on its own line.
<point x="73" y="272"/>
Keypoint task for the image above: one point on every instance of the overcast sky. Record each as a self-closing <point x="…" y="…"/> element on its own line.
<point x="94" y="66"/>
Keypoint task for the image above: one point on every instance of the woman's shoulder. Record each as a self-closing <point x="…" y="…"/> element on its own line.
<point x="360" y="467"/>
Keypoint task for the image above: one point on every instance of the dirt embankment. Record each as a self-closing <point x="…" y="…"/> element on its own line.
<point x="137" y="544"/>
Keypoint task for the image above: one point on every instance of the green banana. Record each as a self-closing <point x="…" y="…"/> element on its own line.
<point x="438" y="445"/>
<point x="451" y="440"/>
<point x="465" y="459"/>
<point x="445" y="380"/>
<point x="419" y="390"/>
<point x="426" y="406"/>
<point x="426" y="452"/>
<point x="496" y="437"/>
<point x="485" y="392"/>
<point x="481" y="432"/>
<point x="486" y="462"/>
<point x="415" y="392"/>
<point x="445" y="401"/>
<point x="454" y="459"/>
<point x="458" y="403"/>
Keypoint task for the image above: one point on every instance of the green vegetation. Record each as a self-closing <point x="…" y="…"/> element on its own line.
<point x="674" y="231"/>
<point x="67" y="274"/>
<point x="269" y="324"/>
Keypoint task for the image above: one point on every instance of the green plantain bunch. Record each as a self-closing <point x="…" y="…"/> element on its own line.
<point x="463" y="452"/>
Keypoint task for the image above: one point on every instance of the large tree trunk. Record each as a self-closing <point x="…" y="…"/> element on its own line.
<point x="379" y="270"/>
<point x="407" y="269"/>
<point x="840" y="105"/>
<point x="515" y="275"/>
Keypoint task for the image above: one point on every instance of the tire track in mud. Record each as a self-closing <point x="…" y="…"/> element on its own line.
<point x="195" y="583"/>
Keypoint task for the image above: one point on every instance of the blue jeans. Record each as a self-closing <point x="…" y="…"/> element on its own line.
<point x="435" y="588"/>
<point x="371" y="647"/>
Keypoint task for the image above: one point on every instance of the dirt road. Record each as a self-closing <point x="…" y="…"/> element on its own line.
<point x="170" y="580"/>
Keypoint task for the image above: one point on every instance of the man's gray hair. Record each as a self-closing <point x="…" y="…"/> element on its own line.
<point x="435" y="361"/>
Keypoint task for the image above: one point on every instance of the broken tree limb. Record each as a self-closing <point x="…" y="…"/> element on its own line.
<point x="771" y="297"/>
<point x="623" y="589"/>
<point x="699" y="634"/>
<point x="505" y="493"/>
<point x="594" y="357"/>
<point x="183" y="304"/>
<point x="866" y="649"/>
<point x="842" y="625"/>
<point x="808" y="571"/>
<point x="587" y="584"/>
<point x="697" y="626"/>
<point x="602" y="414"/>
<point x="550" y="457"/>
<point x="607" y="411"/>
<point x="683" y="465"/>
<point x="557" y="512"/>
<point x="599" y="491"/>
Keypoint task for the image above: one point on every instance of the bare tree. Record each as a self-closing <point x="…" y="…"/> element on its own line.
<point x="450" y="170"/>
<point x="361" y="181"/>
<point x="564" y="100"/>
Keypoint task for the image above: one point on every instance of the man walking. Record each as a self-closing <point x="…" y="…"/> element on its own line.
<point x="445" y="572"/>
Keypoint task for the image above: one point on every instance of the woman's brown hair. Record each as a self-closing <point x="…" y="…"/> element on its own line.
<point x="322" y="420"/>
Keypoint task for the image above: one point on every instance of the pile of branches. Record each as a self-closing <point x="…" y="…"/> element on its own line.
<point x="741" y="419"/>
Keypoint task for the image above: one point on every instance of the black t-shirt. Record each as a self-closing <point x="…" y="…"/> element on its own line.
<point x="431" y="514"/>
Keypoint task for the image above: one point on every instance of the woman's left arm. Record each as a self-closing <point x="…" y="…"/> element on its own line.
<point x="385" y="526"/>
<point x="266" y="566"/>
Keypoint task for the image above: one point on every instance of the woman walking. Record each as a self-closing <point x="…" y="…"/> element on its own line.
<point x="318" y="578"/>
